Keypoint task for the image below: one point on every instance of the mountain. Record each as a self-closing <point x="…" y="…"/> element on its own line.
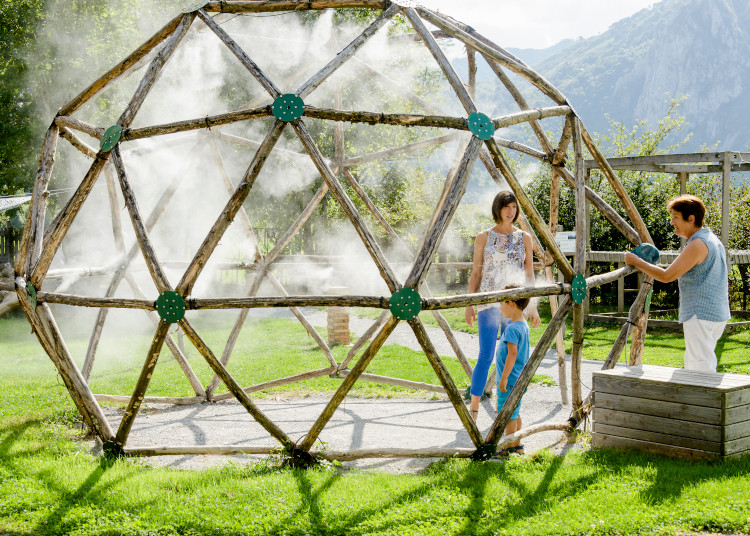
<point x="698" y="48"/>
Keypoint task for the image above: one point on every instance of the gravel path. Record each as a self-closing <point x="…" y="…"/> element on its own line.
<point x="358" y="423"/>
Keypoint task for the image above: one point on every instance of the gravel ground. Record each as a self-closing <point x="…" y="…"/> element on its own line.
<point x="358" y="423"/>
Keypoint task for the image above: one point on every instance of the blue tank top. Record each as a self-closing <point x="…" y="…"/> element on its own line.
<point x="704" y="289"/>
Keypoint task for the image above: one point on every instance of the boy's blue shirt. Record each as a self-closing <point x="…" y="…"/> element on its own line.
<point x="516" y="333"/>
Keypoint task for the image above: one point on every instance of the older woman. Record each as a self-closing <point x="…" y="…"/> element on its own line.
<point x="701" y="273"/>
<point x="502" y="254"/>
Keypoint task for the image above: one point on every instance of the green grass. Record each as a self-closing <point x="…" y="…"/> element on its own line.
<point x="51" y="484"/>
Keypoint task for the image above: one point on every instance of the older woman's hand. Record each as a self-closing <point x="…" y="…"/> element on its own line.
<point x="631" y="259"/>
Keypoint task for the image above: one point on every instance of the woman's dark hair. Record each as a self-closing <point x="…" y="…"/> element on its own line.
<point x="502" y="200"/>
<point x="688" y="205"/>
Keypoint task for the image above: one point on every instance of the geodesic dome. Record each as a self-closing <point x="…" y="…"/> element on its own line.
<point x="236" y="104"/>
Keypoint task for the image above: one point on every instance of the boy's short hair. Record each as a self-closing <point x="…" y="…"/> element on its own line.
<point x="688" y="205"/>
<point x="521" y="303"/>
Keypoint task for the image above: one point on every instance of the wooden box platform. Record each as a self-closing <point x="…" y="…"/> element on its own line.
<point x="676" y="412"/>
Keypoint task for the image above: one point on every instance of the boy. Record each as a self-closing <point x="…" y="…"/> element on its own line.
<point x="512" y="355"/>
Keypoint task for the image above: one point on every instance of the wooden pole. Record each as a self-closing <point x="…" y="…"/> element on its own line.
<point x="639" y="330"/>
<point x="503" y="58"/>
<point x="77" y="386"/>
<point x="398" y="382"/>
<point x="347" y="383"/>
<point x="373" y="157"/>
<point x="262" y="6"/>
<point x="197" y="123"/>
<point x="346" y="204"/>
<point x="480" y="298"/>
<point x="514" y="397"/>
<point x="40" y="195"/>
<point x="619" y="190"/>
<point x="280" y="382"/>
<point x="363" y="339"/>
<point x="442" y="218"/>
<point x="232" y="384"/>
<point x="603" y="207"/>
<point x="440" y="58"/>
<point x="121" y="68"/>
<point x="579" y="264"/>
<point x="554" y="204"/>
<point x="614" y="354"/>
<point x="59" y="227"/>
<point x="142" y="384"/>
<point x="64" y="121"/>
<point x="154" y="70"/>
<point x="147" y="249"/>
<point x="230" y="210"/>
<point x="351" y="49"/>
<point x="726" y="182"/>
<point x="249" y="64"/>
<point x="522" y="103"/>
<point x="447" y="382"/>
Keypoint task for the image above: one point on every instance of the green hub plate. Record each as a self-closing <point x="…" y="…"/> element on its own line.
<point x="405" y="303"/>
<point x="579" y="288"/>
<point x="647" y="307"/>
<point x="170" y="306"/>
<point x="481" y="126"/>
<point x="288" y="107"/>
<point x="195" y="7"/>
<point x="110" y="138"/>
<point x="31" y="293"/>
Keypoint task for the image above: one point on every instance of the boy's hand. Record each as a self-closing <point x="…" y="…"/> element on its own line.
<point x="503" y="385"/>
<point x="469" y="315"/>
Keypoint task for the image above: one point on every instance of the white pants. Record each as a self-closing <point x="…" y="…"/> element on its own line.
<point x="701" y="337"/>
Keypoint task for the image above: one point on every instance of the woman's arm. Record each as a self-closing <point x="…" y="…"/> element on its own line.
<point x="694" y="253"/>
<point x="476" y="273"/>
<point x="528" y="268"/>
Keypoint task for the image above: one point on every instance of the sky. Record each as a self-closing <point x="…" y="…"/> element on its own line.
<point x="537" y="23"/>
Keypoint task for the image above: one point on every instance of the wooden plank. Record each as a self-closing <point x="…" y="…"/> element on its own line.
<point x="672" y="410"/>
<point x="698" y="396"/>
<point x="600" y="440"/>
<point x="736" y="414"/>
<point x="649" y="423"/>
<point x="737" y="430"/>
<point x="654" y="373"/>
<point x="738" y="446"/>
<point x="656" y="437"/>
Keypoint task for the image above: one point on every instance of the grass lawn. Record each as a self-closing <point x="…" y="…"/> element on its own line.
<point x="51" y="484"/>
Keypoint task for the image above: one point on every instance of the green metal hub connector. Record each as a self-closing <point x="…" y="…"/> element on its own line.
<point x="31" y="293"/>
<point x="170" y="306"/>
<point x="288" y="107"/>
<point x="110" y="138"/>
<point x="481" y="126"/>
<point x="405" y="303"/>
<point x="578" y="292"/>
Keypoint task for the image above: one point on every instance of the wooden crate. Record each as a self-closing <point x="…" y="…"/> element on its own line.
<point x="670" y="411"/>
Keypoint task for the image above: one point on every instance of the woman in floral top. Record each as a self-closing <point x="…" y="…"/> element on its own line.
<point x="502" y="255"/>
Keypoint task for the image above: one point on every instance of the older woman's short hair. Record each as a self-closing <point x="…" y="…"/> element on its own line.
<point x="688" y="205"/>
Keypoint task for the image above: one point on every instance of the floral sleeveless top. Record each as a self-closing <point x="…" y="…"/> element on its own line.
<point x="504" y="256"/>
